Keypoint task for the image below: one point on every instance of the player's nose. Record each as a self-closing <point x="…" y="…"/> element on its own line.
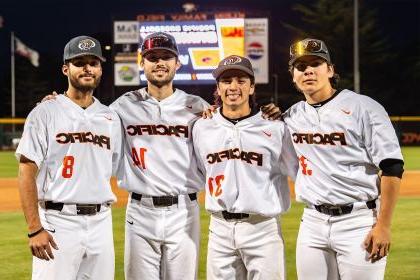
<point x="233" y="85"/>
<point x="309" y="70"/>
<point x="87" y="67"/>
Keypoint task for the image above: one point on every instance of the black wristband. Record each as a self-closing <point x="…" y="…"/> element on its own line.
<point x="36" y="232"/>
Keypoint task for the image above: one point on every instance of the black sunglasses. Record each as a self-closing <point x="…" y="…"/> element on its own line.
<point x="311" y="46"/>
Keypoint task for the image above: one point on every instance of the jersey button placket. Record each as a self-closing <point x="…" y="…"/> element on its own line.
<point x="236" y="138"/>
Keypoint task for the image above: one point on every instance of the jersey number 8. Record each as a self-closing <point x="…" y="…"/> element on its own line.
<point x="68" y="163"/>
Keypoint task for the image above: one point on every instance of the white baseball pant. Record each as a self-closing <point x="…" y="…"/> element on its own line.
<point x="162" y="242"/>
<point x="252" y="248"/>
<point x="85" y="246"/>
<point x="331" y="247"/>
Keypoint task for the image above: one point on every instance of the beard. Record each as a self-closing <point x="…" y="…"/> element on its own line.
<point x="159" y="82"/>
<point x="85" y="87"/>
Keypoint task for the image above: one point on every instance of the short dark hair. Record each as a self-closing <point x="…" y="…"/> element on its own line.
<point x="334" y="80"/>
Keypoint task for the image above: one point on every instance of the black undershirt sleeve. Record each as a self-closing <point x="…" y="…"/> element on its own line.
<point x="392" y="167"/>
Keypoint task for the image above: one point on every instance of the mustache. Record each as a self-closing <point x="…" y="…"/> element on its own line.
<point x="160" y="68"/>
<point x="87" y="75"/>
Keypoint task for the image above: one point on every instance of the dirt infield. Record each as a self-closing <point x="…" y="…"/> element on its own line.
<point x="9" y="195"/>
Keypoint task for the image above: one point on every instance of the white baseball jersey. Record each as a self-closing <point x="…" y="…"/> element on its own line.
<point x="340" y="146"/>
<point x="246" y="164"/>
<point x="76" y="150"/>
<point x="159" y="158"/>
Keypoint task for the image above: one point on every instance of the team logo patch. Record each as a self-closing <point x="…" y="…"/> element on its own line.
<point x="232" y="60"/>
<point x="86" y="44"/>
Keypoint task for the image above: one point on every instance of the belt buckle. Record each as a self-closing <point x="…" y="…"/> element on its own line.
<point x="164" y="201"/>
<point x="226" y="215"/>
<point x="234" y="216"/>
<point x="86" y="209"/>
<point x="333" y="208"/>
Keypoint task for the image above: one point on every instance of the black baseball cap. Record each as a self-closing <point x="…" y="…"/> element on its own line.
<point x="233" y="62"/>
<point x="81" y="46"/>
<point x="309" y="47"/>
<point x="159" y="41"/>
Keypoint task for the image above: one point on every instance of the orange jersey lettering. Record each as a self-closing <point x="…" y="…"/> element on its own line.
<point x="320" y="139"/>
<point x="159" y="129"/>
<point x="83" y="137"/>
<point x="249" y="157"/>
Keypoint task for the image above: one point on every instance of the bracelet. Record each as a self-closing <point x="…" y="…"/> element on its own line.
<point x="36" y="232"/>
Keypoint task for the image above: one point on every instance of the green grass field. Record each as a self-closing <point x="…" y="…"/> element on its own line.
<point x="8" y="165"/>
<point x="403" y="262"/>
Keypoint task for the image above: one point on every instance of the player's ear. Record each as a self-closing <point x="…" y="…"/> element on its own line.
<point x="141" y="64"/>
<point x="178" y="64"/>
<point x="219" y="91"/>
<point x="65" y="69"/>
<point x="252" y="89"/>
<point x="330" y="71"/>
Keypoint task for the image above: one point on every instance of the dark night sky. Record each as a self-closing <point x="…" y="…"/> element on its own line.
<point x="46" y="25"/>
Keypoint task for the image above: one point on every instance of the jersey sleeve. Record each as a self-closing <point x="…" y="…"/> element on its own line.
<point x="379" y="135"/>
<point x="196" y="148"/>
<point x="288" y="158"/>
<point x="33" y="143"/>
<point x="118" y="152"/>
<point x="203" y="105"/>
<point x="206" y="105"/>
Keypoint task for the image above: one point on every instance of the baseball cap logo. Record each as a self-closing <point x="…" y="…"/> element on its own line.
<point x="232" y="60"/>
<point x="86" y="44"/>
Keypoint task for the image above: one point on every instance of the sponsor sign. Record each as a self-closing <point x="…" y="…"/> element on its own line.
<point x="256" y="47"/>
<point x="126" y="32"/>
<point x="126" y="74"/>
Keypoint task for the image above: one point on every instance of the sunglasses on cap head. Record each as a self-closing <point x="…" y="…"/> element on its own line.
<point x="307" y="46"/>
<point x="159" y="42"/>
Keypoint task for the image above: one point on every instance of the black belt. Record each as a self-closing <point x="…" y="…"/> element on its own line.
<point x="237" y="216"/>
<point x="338" y="210"/>
<point x="167" y="200"/>
<point x="82" y="209"/>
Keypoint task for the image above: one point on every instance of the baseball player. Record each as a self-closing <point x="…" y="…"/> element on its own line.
<point x="159" y="169"/>
<point x="246" y="160"/>
<point x="68" y="151"/>
<point x="350" y="163"/>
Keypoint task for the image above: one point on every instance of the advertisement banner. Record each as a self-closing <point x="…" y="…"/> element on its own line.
<point x="256" y="47"/>
<point x="126" y="32"/>
<point x="126" y="74"/>
<point x="408" y="132"/>
<point x="202" y="44"/>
